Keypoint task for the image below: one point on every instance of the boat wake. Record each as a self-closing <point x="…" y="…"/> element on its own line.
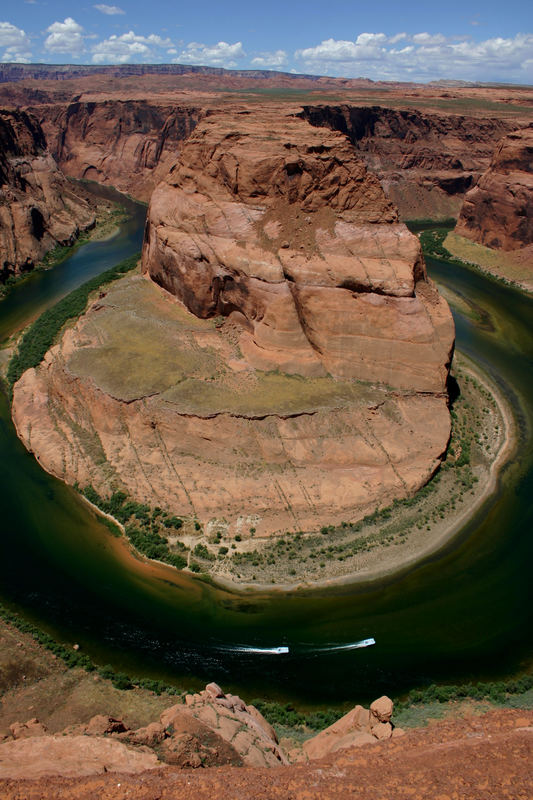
<point x="283" y="650"/>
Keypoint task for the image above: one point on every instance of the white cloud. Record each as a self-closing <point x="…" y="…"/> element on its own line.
<point x="398" y="37"/>
<point x="424" y="57"/>
<point x="65" y="37"/>
<point x="275" y="59"/>
<point x="428" y="38"/>
<point x="367" y="46"/>
<point x="128" y="47"/>
<point x="110" y="10"/>
<point x="216" y="55"/>
<point x="16" y="42"/>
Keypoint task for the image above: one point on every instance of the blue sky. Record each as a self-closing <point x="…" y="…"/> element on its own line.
<point x="485" y="41"/>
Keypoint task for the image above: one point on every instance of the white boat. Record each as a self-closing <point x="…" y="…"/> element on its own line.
<point x="352" y="645"/>
<point x="275" y="651"/>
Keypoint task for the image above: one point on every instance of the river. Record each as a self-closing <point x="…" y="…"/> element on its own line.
<point x="462" y="614"/>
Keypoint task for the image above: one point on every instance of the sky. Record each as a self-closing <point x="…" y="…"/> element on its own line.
<point x="387" y="40"/>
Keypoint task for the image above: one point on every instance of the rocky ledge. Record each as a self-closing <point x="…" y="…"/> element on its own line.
<point x="210" y="728"/>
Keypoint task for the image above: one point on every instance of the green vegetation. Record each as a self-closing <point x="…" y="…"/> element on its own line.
<point x="432" y="241"/>
<point x="74" y="659"/>
<point x="285" y="715"/>
<point x="146" y="529"/>
<point x="40" y="336"/>
<point x="415" y="709"/>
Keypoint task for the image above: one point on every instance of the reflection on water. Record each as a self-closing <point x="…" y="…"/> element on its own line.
<point x="464" y="614"/>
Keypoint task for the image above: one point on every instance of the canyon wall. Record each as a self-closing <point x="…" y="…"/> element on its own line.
<point x="498" y="211"/>
<point x="129" y="145"/>
<point x="425" y="161"/>
<point x="39" y="208"/>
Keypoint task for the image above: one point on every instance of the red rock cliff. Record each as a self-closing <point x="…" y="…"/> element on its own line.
<point x="498" y="211"/>
<point x="280" y="225"/>
<point x="38" y="206"/>
<point x="130" y="145"/>
<point x="425" y="161"/>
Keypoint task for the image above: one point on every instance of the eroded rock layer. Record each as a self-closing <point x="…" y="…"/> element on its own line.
<point x="498" y="211"/>
<point x="425" y="161"/>
<point x="129" y="145"/>
<point x="297" y="370"/>
<point x="280" y="226"/>
<point x="39" y="208"/>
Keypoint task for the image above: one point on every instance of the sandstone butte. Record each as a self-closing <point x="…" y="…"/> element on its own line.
<point x="498" y="211"/>
<point x="39" y="208"/>
<point x="320" y="390"/>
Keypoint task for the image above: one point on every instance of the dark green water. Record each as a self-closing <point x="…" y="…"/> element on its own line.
<point x="462" y="614"/>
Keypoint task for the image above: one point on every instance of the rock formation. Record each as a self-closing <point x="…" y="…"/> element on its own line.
<point x="358" y="727"/>
<point x="129" y="145"/>
<point x="39" y="208"/>
<point x="425" y="161"/>
<point x="210" y="728"/>
<point x="498" y="211"/>
<point x="280" y="226"/>
<point x="301" y="377"/>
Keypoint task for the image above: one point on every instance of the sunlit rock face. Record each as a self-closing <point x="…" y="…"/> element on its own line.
<point x="282" y="361"/>
<point x="498" y="211"/>
<point x="279" y="225"/>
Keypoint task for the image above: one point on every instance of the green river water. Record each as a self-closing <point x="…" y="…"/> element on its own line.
<point x="462" y="614"/>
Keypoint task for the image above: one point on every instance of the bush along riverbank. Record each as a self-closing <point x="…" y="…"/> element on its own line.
<point x="149" y="530"/>
<point x="41" y="334"/>
<point x="74" y="659"/>
<point x="432" y="242"/>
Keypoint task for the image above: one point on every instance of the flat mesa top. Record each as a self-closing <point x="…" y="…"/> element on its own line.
<point x="137" y="342"/>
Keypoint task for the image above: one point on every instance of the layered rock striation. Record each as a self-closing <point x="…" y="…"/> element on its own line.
<point x="498" y="211"/>
<point x="39" y="208"/>
<point x="280" y="226"/>
<point x="292" y="373"/>
<point x="127" y="144"/>
<point x="425" y="161"/>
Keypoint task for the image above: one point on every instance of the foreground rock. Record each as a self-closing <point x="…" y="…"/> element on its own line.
<point x="358" y="727"/>
<point x="39" y="208"/>
<point x="486" y="755"/>
<point x="498" y="211"/>
<point x="210" y="728"/>
<point x="71" y="756"/>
